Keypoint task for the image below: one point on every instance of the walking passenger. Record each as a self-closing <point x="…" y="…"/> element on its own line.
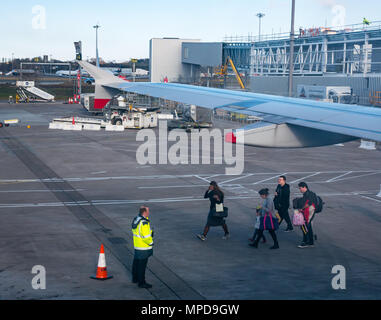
<point x="307" y="208"/>
<point x="258" y="224"/>
<point x="267" y="220"/>
<point x="282" y="202"/>
<point x="216" y="197"/>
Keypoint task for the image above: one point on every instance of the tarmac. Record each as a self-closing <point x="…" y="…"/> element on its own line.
<point x="64" y="193"/>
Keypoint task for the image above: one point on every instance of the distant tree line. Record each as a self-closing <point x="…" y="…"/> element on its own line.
<point x="7" y="65"/>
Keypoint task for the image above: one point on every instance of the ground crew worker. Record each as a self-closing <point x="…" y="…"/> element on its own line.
<point x="366" y="22"/>
<point x="143" y="242"/>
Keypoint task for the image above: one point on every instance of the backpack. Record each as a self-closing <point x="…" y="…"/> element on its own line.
<point x="319" y="204"/>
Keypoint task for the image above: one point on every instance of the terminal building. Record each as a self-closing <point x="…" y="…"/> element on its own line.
<point x="349" y="57"/>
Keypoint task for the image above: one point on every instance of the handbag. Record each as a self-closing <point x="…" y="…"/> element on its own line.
<point x="219" y="207"/>
<point x="269" y="223"/>
<point x="298" y="219"/>
<point x="223" y="214"/>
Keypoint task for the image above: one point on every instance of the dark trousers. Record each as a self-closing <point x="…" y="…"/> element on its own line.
<point x="286" y="217"/>
<point x="308" y="234"/>
<point x="256" y="233"/>
<point x="139" y="270"/>
<point x="272" y="234"/>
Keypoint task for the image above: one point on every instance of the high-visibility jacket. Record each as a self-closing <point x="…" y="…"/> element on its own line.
<point x="141" y="230"/>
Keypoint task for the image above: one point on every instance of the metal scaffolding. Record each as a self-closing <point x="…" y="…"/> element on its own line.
<point x="354" y="49"/>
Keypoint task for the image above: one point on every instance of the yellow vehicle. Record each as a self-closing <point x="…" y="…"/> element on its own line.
<point x="223" y="71"/>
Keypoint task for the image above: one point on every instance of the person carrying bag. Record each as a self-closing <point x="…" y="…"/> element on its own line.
<point x="221" y="211"/>
<point x="267" y="220"/>
<point x="217" y="211"/>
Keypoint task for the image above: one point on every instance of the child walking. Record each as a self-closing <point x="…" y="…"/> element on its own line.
<point x="267" y="220"/>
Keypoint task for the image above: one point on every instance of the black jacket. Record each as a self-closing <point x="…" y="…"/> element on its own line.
<point x="282" y="200"/>
<point x="309" y="198"/>
<point x="210" y="194"/>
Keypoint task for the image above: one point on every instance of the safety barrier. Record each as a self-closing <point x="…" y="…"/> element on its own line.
<point x="83" y="126"/>
<point x="72" y="127"/>
<point x="12" y="121"/>
<point x="114" y="128"/>
<point x="56" y="125"/>
<point x="91" y="127"/>
<point x="368" y="145"/>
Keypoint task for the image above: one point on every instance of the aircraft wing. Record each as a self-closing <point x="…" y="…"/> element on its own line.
<point x="286" y="122"/>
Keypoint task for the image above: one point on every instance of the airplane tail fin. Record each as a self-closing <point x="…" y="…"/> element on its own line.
<point x="102" y="94"/>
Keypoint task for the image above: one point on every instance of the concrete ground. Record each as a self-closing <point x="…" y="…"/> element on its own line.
<point x="63" y="193"/>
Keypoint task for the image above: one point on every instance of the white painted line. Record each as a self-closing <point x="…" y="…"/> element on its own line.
<point x="125" y="149"/>
<point x="213" y="176"/>
<point x="162" y="200"/>
<point x="158" y="177"/>
<point x="203" y="179"/>
<point x="235" y="179"/>
<point x="170" y="187"/>
<point x="362" y="176"/>
<point x="277" y="176"/>
<point x="379" y="201"/>
<point x="39" y="191"/>
<point x="310" y="176"/>
<point x="341" y="176"/>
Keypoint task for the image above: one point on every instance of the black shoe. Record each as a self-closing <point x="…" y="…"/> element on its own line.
<point x="145" y="285"/>
<point x="289" y="229"/>
<point x="303" y="245"/>
<point x="254" y="245"/>
<point x="276" y="246"/>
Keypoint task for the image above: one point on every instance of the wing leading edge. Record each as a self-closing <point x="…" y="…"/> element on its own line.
<point x="302" y="123"/>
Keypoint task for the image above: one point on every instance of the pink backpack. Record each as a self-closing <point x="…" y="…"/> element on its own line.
<point x="298" y="219"/>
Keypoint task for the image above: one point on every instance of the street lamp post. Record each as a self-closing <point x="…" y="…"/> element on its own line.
<point x="292" y="45"/>
<point x="96" y="27"/>
<point x="260" y="16"/>
<point x="13" y="59"/>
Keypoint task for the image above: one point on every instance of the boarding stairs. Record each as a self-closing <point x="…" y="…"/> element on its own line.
<point x="29" y="92"/>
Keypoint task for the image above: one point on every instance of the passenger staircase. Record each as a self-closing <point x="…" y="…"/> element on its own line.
<point x="27" y="92"/>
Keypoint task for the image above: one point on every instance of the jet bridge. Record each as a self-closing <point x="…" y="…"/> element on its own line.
<point x="27" y="91"/>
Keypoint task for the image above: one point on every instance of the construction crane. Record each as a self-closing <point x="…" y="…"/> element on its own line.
<point x="223" y="71"/>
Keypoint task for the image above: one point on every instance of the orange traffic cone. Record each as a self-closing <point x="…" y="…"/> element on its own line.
<point x="102" y="269"/>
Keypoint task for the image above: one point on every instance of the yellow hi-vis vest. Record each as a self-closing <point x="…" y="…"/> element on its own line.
<point x="142" y="233"/>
